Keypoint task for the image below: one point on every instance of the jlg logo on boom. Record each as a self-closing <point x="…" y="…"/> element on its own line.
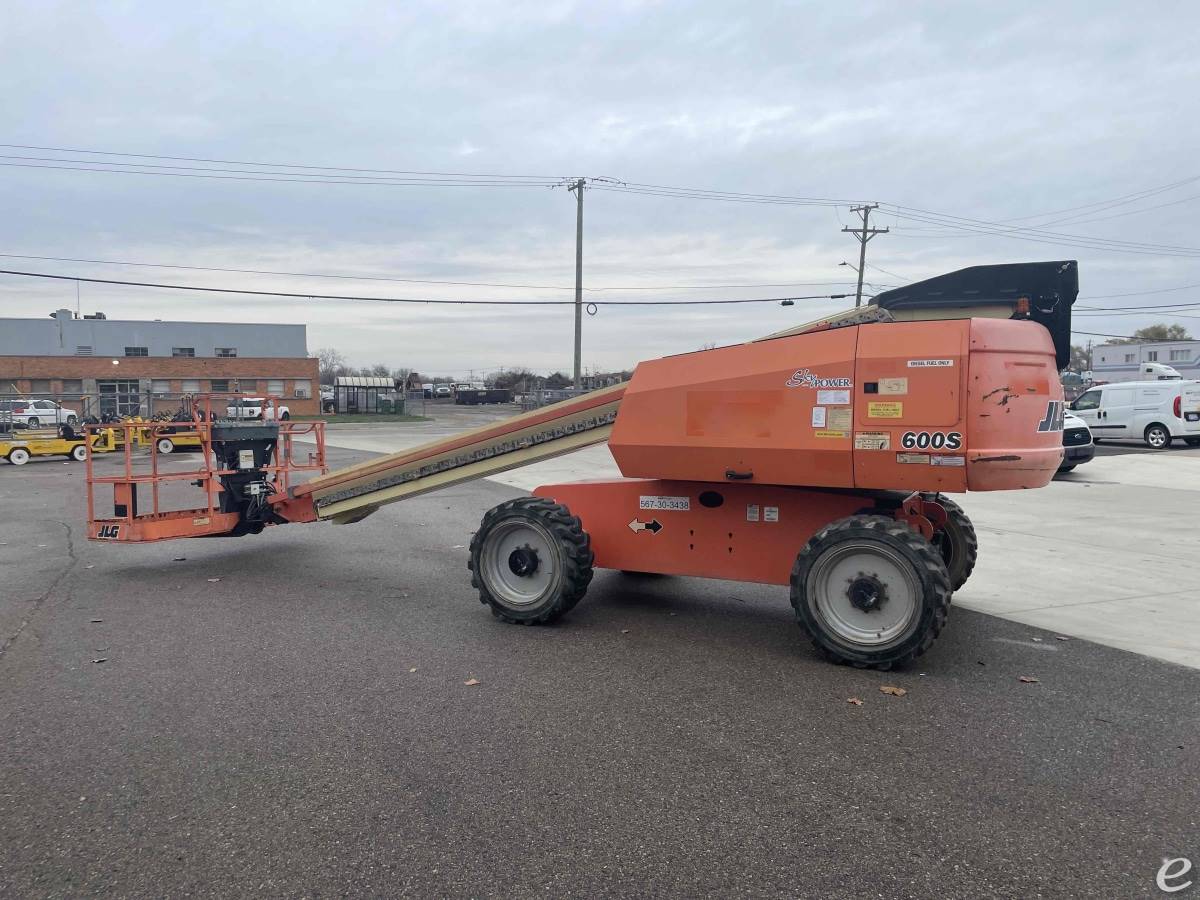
<point x="108" y="532"/>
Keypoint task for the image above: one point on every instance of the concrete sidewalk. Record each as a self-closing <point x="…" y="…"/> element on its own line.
<point x="1104" y="553"/>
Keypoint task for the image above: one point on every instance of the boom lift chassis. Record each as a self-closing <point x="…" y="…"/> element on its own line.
<point x="818" y="458"/>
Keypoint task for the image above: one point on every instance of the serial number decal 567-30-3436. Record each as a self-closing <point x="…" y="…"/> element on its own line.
<point x="931" y="440"/>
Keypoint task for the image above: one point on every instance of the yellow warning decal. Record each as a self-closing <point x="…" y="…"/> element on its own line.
<point x="831" y="434"/>
<point x="885" y="409"/>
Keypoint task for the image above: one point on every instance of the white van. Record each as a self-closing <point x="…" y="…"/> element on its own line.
<point x="1152" y="411"/>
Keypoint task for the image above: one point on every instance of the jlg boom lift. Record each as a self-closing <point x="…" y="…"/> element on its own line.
<point x="816" y="458"/>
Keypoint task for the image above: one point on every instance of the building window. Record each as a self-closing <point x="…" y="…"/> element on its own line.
<point x="1130" y="357"/>
<point x="137" y="351"/>
<point x="120" y="398"/>
<point x="303" y="388"/>
<point x="1178" y="355"/>
<point x="246" y="385"/>
<point x="191" y="386"/>
<point x="183" y="351"/>
<point x="72" y="386"/>
<point x="39" y="386"/>
<point x="219" y="385"/>
<point x="1152" y="355"/>
<point x="160" y="386"/>
<point x="275" y="387"/>
<point x="225" y="352"/>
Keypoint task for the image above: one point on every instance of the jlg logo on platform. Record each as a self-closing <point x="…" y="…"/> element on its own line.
<point x="108" y="532"/>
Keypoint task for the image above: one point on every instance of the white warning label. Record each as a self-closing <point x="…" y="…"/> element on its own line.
<point x="930" y="363"/>
<point x="872" y="440"/>
<point x="683" y="504"/>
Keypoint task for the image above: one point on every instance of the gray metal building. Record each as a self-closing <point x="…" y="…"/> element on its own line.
<point x="64" y="335"/>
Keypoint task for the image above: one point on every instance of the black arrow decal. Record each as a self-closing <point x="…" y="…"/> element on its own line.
<point x="653" y="526"/>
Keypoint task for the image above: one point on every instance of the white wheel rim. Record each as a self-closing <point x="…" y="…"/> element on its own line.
<point x="507" y="546"/>
<point x="19" y="457"/>
<point x="80" y="453"/>
<point x="165" y="446"/>
<point x="858" y="569"/>
<point x="1157" y="438"/>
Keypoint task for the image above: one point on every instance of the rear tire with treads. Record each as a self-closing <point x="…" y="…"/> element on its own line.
<point x="957" y="542"/>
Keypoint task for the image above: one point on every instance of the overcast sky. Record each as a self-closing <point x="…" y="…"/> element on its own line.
<point x="991" y="112"/>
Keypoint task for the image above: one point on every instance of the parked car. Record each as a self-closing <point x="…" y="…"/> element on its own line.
<point x="36" y="413"/>
<point x="1156" y="412"/>
<point x="257" y="408"/>
<point x="1078" y="446"/>
<point x="442" y="390"/>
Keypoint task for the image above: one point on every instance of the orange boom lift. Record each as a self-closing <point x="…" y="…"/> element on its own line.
<point x="816" y="458"/>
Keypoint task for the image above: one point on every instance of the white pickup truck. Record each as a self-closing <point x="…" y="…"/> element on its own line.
<point x="257" y="408"/>
<point x="36" y="413"/>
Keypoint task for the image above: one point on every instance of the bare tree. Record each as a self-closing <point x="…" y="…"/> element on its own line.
<point x="331" y="364"/>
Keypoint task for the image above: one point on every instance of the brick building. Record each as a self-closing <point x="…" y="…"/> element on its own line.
<point x="139" y="368"/>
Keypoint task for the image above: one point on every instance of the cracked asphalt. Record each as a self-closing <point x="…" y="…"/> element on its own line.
<point x="302" y="727"/>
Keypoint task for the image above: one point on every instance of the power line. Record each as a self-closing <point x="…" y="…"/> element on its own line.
<point x="730" y="198"/>
<point x="291" y="180"/>
<point x="979" y="226"/>
<point x="413" y="300"/>
<point x="366" y="179"/>
<point x="1110" y="203"/>
<point x="1182" y="287"/>
<point x="237" y="162"/>
<point x="400" y="280"/>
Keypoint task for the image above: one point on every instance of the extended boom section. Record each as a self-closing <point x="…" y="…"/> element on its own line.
<point x="351" y="494"/>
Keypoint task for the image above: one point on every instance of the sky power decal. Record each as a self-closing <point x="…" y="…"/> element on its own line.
<point x="806" y="379"/>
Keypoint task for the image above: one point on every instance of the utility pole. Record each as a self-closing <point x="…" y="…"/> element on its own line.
<point x="863" y="234"/>
<point x="577" y="189"/>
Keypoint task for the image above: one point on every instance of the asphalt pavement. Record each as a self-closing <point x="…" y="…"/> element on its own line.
<point x="303" y="726"/>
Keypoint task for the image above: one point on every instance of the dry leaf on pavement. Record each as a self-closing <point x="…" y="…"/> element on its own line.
<point x="893" y="690"/>
<point x="471" y="682"/>
<point x="854" y="700"/>
<point x="1028" y="679"/>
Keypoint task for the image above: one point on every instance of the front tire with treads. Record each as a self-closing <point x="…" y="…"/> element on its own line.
<point x="531" y="561"/>
<point x="870" y="592"/>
